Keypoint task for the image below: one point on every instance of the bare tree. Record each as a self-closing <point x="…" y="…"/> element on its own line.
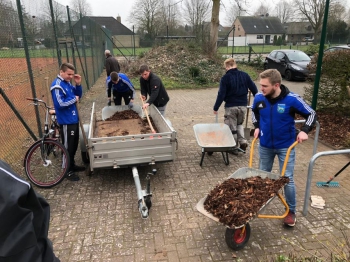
<point x="263" y="9"/>
<point x="82" y="7"/>
<point x="146" y="15"/>
<point x="233" y="11"/>
<point x="215" y="22"/>
<point x="283" y="11"/>
<point x="169" y="13"/>
<point x="195" y="13"/>
<point x="313" y="11"/>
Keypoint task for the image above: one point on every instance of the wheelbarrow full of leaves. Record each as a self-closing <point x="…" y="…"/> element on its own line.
<point x="242" y="197"/>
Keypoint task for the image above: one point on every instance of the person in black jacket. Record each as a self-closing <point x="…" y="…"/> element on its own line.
<point x="152" y="85"/>
<point x="25" y="218"/>
<point x="234" y="87"/>
<point x="111" y="64"/>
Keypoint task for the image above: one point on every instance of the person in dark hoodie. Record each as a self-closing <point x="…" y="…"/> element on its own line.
<point x="273" y="115"/>
<point x="152" y="85"/>
<point x="111" y="64"/>
<point x="25" y="218"/>
<point x="234" y="87"/>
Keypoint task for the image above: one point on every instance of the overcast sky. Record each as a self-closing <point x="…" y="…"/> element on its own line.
<point x="123" y="8"/>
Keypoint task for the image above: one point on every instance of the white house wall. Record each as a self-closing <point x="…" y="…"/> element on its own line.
<point x="249" y="39"/>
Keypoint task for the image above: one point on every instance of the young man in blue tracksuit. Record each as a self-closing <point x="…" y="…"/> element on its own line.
<point x="273" y="117"/>
<point x="65" y="96"/>
<point x="121" y="87"/>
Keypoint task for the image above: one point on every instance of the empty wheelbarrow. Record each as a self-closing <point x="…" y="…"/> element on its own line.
<point x="214" y="137"/>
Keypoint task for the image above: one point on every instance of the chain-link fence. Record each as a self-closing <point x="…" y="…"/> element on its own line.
<point x="35" y="38"/>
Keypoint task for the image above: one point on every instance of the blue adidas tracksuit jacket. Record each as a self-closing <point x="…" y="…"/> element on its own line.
<point x="63" y="96"/>
<point x="124" y="85"/>
<point x="275" y="118"/>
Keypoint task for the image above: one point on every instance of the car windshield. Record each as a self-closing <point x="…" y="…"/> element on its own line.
<point x="298" y="56"/>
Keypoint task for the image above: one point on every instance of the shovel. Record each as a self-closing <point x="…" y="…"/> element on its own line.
<point x="246" y="129"/>
<point x="149" y="121"/>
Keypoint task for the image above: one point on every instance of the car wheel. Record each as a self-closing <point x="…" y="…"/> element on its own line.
<point x="288" y="75"/>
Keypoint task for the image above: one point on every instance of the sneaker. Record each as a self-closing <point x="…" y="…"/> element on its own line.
<point x="72" y="176"/>
<point x="76" y="168"/>
<point x="290" y="219"/>
<point x="243" y="146"/>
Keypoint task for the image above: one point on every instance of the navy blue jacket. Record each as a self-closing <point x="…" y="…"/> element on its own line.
<point x="124" y="85"/>
<point x="234" y="86"/>
<point x="275" y="118"/>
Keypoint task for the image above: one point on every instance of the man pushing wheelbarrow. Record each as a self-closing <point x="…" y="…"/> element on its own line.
<point x="273" y="117"/>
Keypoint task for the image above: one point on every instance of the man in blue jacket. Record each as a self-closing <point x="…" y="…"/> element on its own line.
<point x="121" y="87"/>
<point x="65" y="96"/>
<point x="234" y="87"/>
<point x="273" y="116"/>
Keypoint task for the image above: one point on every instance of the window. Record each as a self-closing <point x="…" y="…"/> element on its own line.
<point x="280" y="55"/>
<point x="259" y="37"/>
<point x="267" y="26"/>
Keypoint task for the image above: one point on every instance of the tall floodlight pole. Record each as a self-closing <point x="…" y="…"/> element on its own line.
<point x="320" y="56"/>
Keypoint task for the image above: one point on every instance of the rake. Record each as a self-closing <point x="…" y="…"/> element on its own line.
<point x="329" y="183"/>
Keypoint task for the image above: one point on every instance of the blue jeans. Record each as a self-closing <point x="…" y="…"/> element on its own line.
<point x="267" y="156"/>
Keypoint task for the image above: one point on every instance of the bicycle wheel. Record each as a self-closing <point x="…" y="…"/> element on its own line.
<point x="46" y="163"/>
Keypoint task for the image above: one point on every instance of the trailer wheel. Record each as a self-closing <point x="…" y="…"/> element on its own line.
<point x="236" y="239"/>
<point x="148" y="202"/>
<point x="85" y="157"/>
<point x="210" y="153"/>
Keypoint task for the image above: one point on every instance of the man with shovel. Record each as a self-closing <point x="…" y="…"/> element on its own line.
<point x="234" y="87"/>
<point x="65" y="96"/>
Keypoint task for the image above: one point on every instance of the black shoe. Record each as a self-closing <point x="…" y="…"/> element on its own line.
<point x="243" y="146"/>
<point x="72" y="176"/>
<point x="234" y="151"/>
<point x="76" y="168"/>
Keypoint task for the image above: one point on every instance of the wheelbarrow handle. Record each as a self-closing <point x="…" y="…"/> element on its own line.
<point x="285" y="160"/>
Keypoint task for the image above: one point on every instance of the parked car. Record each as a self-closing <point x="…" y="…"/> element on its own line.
<point x="292" y="64"/>
<point x="338" y="48"/>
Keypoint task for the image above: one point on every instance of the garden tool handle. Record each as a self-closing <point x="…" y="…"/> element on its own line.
<point x="81" y="125"/>
<point x="248" y="107"/>
<point x="149" y="121"/>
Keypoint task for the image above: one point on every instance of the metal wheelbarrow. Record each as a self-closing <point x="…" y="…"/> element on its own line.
<point x="214" y="138"/>
<point x="238" y="236"/>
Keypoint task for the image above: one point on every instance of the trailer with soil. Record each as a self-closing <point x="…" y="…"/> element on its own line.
<point x="129" y="150"/>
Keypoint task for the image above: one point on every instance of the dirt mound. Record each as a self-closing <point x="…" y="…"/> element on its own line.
<point x="123" y="123"/>
<point x="182" y="63"/>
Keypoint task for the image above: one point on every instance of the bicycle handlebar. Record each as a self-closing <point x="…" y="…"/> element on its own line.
<point x="36" y="100"/>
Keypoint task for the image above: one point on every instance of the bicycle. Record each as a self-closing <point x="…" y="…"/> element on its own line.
<point x="47" y="160"/>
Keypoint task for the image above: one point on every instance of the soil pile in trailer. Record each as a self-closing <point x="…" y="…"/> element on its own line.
<point x="123" y="123"/>
<point x="236" y="201"/>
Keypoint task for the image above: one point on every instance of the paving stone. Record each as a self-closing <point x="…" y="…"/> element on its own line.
<point x="97" y="219"/>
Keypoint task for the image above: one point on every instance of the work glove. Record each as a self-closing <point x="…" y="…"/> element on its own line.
<point x="109" y="103"/>
<point x="131" y="104"/>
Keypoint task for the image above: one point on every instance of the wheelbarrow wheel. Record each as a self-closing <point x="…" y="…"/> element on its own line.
<point x="148" y="202"/>
<point x="237" y="238"/>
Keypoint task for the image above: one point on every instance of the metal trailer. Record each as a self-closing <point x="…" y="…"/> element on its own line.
<point x="130" y="150"/>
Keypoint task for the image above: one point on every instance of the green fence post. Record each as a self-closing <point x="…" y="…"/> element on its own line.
<point x="29" y="65"/>
<point x="84" y="52"/>
<point x="55" y="33"/>
<point x="320" y="57"/>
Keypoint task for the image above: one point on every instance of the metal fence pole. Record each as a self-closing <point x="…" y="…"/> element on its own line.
<point x="84" y="52"/>
<point x="55" y="34"/>
<point x="29" y="65"/>
<point x="92" y="52"/>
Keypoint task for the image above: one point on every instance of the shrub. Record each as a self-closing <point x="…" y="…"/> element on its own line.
<point x="334" y="82"/>
<point x="194" y="71"/>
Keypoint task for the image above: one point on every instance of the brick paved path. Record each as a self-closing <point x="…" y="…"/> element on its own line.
<point x="96" y="219"/>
